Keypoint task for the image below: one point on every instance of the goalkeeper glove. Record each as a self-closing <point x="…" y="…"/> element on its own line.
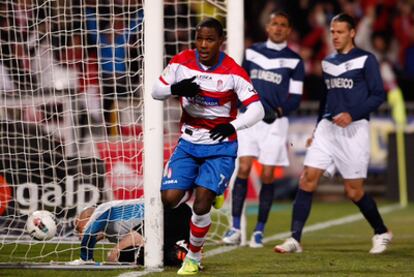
<point x="222" y="131"/>
<point x="185" y="88"/>
<point x="396" y="101"/>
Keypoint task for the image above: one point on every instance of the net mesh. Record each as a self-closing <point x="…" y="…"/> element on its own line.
<point x="71" y="112"/>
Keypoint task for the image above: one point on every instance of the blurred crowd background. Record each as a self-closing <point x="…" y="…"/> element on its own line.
<point x="385" y="27"/>
<point x="96" y="45"/>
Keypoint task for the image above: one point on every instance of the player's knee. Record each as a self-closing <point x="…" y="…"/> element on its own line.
<point x="200" y="208"/>
<point x="307" y="182"/>
<point x="267" y="178"/>
<point x="244" y="170"/>
<point x="354" y="194"/>
<point x="169" y="201"/>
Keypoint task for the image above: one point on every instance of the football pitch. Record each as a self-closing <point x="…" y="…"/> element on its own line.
<point x="339" y="250"/>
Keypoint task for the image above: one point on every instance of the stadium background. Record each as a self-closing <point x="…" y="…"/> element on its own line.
<point x="118" y="155"/>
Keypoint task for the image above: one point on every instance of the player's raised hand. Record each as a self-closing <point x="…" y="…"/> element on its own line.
<point x="342" y="119"/>
<point x="222" y="131"/>
<point x="186" y="88"/>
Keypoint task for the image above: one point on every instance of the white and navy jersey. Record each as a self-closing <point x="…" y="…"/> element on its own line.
<point x="353" y="83"/>
<point x="114" y="219"/>
<point x="222" y="85"/>
<point x="277" y="74"/>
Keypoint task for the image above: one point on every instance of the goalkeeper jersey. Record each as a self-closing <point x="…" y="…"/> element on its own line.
<point x="115" y="219"/>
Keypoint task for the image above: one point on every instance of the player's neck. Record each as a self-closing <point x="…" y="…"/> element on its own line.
<point x="346" y="49"/>
<point x="276" y="46"/>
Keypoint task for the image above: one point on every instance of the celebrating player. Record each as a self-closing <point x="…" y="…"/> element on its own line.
<point x="354" y="90"/>
<point x="121" y="222"/>
<point x="208" y="83"/>
<point x="277" y="73"/>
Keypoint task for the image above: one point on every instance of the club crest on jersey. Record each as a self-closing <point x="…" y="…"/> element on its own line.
<point x="348" y="65"/>
<point x="220" y="85"/>
<point x="281" y="62"/>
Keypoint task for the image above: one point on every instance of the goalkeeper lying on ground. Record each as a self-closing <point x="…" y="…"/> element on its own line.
<point x="121" y="222"/>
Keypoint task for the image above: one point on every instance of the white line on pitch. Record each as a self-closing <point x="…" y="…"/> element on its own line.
<point x="310" y="228"/>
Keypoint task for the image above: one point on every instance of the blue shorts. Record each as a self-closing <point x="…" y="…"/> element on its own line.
<point x="205" y="165"/>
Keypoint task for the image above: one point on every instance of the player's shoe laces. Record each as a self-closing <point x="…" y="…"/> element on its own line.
<point x="380" y="242"/>
<point x="189" y="267"/>
<point x="256" y="241"/>
<point x="290" y="245"/>
<point x="218" y="201"/>
<point x="232" y="237"/>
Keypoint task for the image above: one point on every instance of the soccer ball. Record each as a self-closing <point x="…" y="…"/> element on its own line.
<point x="41" y="225"/>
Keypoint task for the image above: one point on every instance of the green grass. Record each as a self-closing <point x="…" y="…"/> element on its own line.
<point x="335" y="251"/>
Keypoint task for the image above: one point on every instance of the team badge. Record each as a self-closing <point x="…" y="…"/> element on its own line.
<point x="348" y="65"/>
<point x="281" y="63"/>
<point x="220" y="85"/>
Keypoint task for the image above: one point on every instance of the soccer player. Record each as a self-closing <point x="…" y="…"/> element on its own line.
<point x="208" y="83"/>
<point x="341" y="138"/>
<point x="121" y="222"/>
<point x="277" y="73"/>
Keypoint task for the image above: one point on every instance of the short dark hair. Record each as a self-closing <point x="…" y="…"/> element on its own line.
<point x="282" y="14"/>
<point x="343" y="17"/>
<point x="211" y="22"/>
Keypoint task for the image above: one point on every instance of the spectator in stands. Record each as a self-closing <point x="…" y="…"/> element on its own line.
<point x="113" y="35"/>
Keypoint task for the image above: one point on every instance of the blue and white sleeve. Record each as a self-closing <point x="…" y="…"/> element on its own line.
<point x="295" y="89"/>
<point x="89" y="238"/>
<point x="376" y="91"/>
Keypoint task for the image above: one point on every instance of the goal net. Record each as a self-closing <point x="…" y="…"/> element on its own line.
<point x="72" y="113"/>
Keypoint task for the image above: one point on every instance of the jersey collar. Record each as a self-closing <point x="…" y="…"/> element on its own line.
<point x="275" y="46"/>
<point x="211" y="68"/>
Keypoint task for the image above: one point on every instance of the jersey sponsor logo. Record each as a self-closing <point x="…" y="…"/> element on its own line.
<point x="204" y="101"/>
<point x="265" y="75"/>
<point x="204" y="77"/>
<point x="339" y="83"/>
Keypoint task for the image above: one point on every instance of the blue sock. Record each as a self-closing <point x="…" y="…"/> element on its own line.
<point x="265" y="203"/>
<point x="238" y="196"/>
<point x="369" y="209"/>
<point x="301" y="211"/>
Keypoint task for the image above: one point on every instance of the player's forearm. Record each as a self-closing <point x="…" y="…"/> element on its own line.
<point x="87" y="246"/>
<point x="254" y="113"/>
<point x="133" y="239"/>
<point x="291" y="104"/>
<point x="363" y="110"/>
<point x="161" y="91"/>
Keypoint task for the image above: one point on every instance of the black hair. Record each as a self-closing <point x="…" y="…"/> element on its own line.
<point x="343" y="17"/>
<point x="211" y="22"/>
<point x="282" y="14"/>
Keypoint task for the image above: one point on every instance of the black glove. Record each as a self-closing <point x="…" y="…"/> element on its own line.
<point x="186" y="88"/>
<point x="271" y="116"/>
<point x="222" y="131"/>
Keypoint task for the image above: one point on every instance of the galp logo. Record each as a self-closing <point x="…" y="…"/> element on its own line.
<point x="5" y="195"/>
